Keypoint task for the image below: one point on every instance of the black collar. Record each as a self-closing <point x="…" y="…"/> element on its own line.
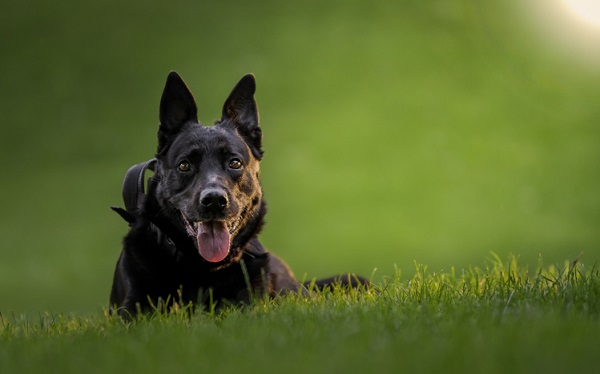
<point x="133" y="190"/>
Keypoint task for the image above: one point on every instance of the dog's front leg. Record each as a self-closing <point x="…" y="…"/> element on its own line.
<point x="127" y="297"/>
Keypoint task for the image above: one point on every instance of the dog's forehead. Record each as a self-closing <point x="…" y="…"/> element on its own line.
<point x="208" y="139"/>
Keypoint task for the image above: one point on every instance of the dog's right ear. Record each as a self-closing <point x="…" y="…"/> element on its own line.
<point x="177" y="107"/>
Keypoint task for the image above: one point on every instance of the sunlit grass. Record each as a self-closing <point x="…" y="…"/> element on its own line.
<point x="502" y="317"/>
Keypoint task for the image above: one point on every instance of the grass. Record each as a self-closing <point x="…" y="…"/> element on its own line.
<point x="496" y="319"/>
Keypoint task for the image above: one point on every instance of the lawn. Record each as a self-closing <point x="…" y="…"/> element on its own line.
<point x="502" y="318"/>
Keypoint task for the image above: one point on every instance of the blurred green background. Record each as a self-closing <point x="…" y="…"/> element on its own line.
<point x="395" y="131"/>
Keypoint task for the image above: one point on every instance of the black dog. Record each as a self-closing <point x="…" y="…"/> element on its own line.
<point x="195" y="230"/>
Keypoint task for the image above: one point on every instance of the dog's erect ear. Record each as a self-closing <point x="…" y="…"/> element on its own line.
<point x="240" y="110"/>
<point x="177" y="107"/>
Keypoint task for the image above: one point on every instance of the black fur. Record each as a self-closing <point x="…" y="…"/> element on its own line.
<point x="205" y="193"/>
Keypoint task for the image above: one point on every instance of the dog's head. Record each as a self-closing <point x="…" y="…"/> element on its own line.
<point x="207" y="176"/>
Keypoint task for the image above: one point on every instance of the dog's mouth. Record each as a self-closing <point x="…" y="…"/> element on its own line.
<point x="212" y="237"/>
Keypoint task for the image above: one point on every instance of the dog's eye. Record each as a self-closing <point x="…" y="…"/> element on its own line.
<point x="235" y="163"/>
<point x="184" y="166"/>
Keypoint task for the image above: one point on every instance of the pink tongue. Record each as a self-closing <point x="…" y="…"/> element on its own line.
<point x="213" y="240"/>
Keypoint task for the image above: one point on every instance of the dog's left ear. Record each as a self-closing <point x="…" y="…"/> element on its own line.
<point x="241" y="111"/>
<point x="177" y="107"/>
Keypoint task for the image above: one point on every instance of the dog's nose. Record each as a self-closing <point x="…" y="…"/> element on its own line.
<point x="213" y="199"/>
